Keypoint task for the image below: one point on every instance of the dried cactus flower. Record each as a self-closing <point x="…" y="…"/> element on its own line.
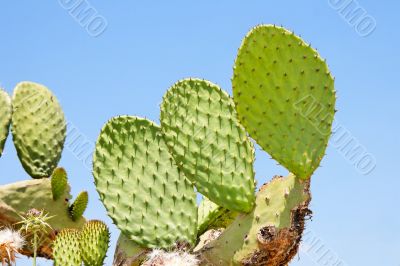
<point x="10" y="243"/>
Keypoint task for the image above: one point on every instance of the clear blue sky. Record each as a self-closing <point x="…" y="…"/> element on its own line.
<point x="148" y="46"/>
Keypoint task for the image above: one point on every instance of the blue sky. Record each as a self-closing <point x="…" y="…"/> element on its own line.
<point x="148" y="45"/>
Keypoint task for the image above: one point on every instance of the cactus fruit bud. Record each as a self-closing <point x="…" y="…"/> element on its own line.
<point x="77" y="208"/>
<point x="59" y="182"/>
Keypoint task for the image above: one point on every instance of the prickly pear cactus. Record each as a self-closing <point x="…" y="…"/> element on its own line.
<point x="94" y="240"/>
<point x="66" y="250"/>
<point x="5" y="117"/>
<point x="208" y="143"/>
<point x="144" y="192"/>
<point x="270" y="235"/>
<point x="285" y="97"/>
<point x="38" y="128"/>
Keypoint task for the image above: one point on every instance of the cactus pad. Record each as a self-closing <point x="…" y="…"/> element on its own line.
<point x="77" y="208"/>
<point x="285" y="98"/>
<point x="59" y="182"/>
<point x="38" y="128"/>
<point x="5" y="117"/>
<point x="94" y="241"/>
<point x="144" y="192"/>
<point x="271" y="233"/>
<point x="208" y="143"/>
<point x="66" y="250"/>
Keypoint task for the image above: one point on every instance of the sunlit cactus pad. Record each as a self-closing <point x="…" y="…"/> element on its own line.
<point x="5" y="117"/>
<point x="208" y="143"/>
<point x="38" y="128"/>
<point x="148" y="198"/>
<point x="285" y="98"/>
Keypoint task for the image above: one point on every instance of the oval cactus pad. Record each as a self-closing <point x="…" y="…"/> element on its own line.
<point x="38" y="128"/>
<point x="144" y="192"/>
<point x="285" y="97"/>
<point x="208" y="143"/>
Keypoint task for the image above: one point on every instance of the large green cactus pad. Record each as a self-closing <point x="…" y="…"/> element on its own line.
<point x="145" y="194"/>
<point x="38" y="128"/>
<point x="285" y="98"/>
<point x="5" y="117"/>
<point x="208" y="143"/>
<point x="270" y="234"/>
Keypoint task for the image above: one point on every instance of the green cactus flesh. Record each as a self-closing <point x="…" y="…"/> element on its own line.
<point x="18" y="198"/>
<point x="77" y="208"/>
<point x="38" y="128"/>
<point x="208" y="143"/>
<point x="59" y="182"/>
<point x="270" y="234"/>
<point x="144" y="192"/>
<point x="128" y="253"/>
<point x="212" y="216"/>
<point x="66" y="250"/>
<point x="285" y="97"/>
<point x="94" y="241"/>
<point x="5" y="117"/>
